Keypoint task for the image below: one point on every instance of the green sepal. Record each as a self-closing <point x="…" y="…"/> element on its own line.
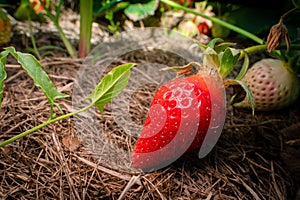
<point x="231" y="82"/>
<point x="244" y="67"/>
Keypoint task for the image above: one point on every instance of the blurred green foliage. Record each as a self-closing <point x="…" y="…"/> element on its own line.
<point x="256" y="17"/>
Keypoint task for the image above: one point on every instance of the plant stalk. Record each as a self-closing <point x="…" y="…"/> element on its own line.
<point x="216" y="20"/>
<point x="36" y="51"/>
<point x="86" y="20"/>
<point x="264" y="47"/>
<point x="253" y="49"/>
<point x="71" y="50"/>
<point x="10" y="140"/>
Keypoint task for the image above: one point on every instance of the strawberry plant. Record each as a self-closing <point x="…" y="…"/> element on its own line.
<point x="188" y="112"/>
<point x="109" y="87"/>
<point x="269" y="84"/>
<point x="274" y="81"/>
<point x="34" y="70"/>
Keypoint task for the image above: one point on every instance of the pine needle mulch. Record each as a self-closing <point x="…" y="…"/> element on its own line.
<point x="257" y="157"/>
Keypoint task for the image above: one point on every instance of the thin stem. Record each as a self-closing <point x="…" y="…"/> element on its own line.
<point x="10" y="140"/>
<point x="264" y="47"/>
<point x="216" y="20"/>
<point x="36" y="51"/>
<point x="253" y="49"/>
<point x="58" y="10"/>
<point x="288" y="13"/>
<point x="71" y="50"/>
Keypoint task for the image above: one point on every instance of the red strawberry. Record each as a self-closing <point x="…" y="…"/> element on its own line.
<point x="186" y="2"/>
<point x="37" y="6"/>
<point x="204" y="28"/>
<point x="183" y="113"/>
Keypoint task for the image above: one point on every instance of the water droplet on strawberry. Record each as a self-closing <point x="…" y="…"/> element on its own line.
<point x="167" y="95"/>
<point x="185" y="103"/>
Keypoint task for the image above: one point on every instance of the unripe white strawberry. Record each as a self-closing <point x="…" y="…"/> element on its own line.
<point x="272" y="84"/>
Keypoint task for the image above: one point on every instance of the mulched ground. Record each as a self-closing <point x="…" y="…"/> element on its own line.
<point x="257" y="157"/>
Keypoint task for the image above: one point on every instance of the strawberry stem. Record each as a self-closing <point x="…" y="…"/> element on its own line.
<point x="264" y="47"/>
<point x="253" y="49"/>
<point x="296" y="9"/>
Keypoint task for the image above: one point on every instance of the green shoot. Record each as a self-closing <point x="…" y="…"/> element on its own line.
<point x="86" y="19"/>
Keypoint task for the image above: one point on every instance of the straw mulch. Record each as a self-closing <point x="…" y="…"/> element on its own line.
<point x="257" y="157"/>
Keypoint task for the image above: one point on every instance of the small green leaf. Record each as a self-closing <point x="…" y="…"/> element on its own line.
<point x="111" y="85"/>
<point x="140" y="11"/>
<point x="244" y="68"/>
<point x="202" y="46"/>
<point x="26" y="12"/>
<point x="35" y="71"/>
<point x="222" y="46"/>
<point x="213" y="42"/>
<point x="228" y="60"/>
<point x="231" y="82"/>
<point x="210" y="51"/>
<point x="3" y="73"/>
<point x="210" y="58"/>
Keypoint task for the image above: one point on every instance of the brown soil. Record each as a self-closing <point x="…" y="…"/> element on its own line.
<point x="257" y="157"/>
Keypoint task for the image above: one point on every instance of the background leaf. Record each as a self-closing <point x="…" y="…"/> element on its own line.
<point x="3" y="74"/>
<point x="111" y="85"/>
<point x="254" y="19"/>
<point x="39" y="76"/>
<point x="140" y="11"/>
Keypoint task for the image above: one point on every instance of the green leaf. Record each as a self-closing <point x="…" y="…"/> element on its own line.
<point x="213" y="42"/>
<point x="244" y="68"/>
<point x="40" y="78"/>
<point x="228" y="60"/>
<point x="245" y="18"/>
<point x="210" y="58"/>
<point x="222" y="46"/>
<point x="296" y="3"/>
<point x="231" y="82"/>
<point x="3" y="73"/>
<point x="26" y="12"/>
<point x="111" y="85"/>
<point x="202" y="46"/>
<point x="140" y="11"/>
